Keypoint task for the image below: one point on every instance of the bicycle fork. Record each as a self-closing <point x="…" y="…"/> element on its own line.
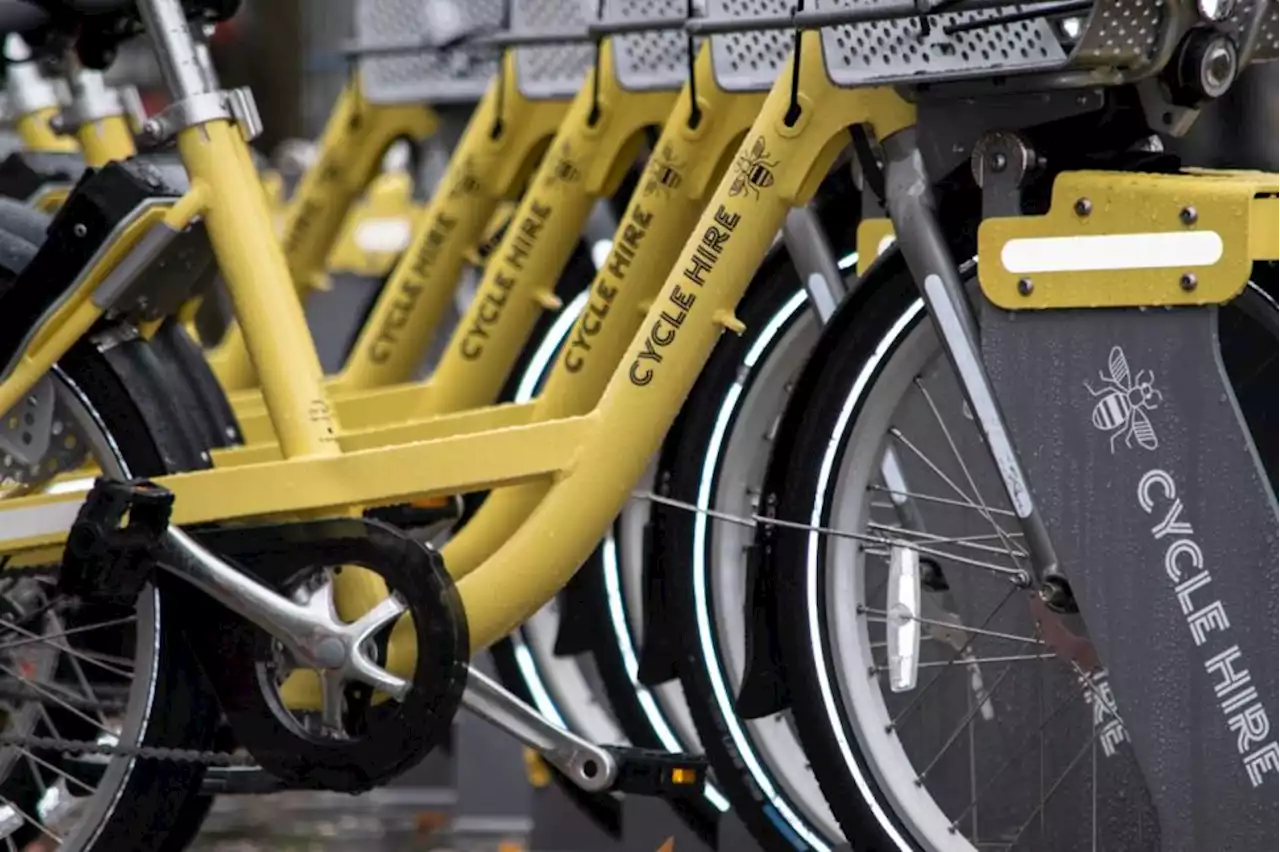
<point x="912" y="208"/>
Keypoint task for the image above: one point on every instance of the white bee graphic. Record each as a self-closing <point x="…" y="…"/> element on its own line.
<point x="1125" y="401"/>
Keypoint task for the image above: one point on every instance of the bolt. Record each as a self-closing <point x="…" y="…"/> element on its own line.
<point x="151" y="129"/>
<point x="998" y="162"/>
<point x="1025" y="286"/>
<point x="79" y="229"/>
<point x="1189" y="215"/>
<point x="1188" y="281"/>
<point x="330" y="653"/>
<point x="1083" y="207"/>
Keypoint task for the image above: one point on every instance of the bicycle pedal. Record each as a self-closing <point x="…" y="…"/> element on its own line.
<point x="106" y="559"/>
<point x="241" y="781"/>
<point x="652" y="772"/>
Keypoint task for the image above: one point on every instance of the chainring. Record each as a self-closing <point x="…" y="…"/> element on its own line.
<point x="236" y="656"/>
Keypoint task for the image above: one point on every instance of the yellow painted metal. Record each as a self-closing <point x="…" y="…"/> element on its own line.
<point x="377" y="230"/>
<point x="392" y="433"/>
<point x="332" y="484"/>
<point x="50" y="197"/>
<point x="360" y="409"/>
<point x="36" y="134"/>
<point x="355" y="139"/>
<point x="874" y="236"/>
<point x="776" y="167"/>
<point x="105" y="140"/>
<point x="256" y="274"/>
<point x="1124" y="208"/>
<point x="594" y="145"/>
<point x="503" y="139"/>
<point x="679" y="178"/>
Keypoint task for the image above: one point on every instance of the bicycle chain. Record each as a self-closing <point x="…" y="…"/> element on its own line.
<point x="50" y="571"/>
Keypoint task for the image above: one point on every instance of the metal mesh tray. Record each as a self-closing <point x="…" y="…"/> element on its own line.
<point x="554" y="71"/>
<point x="454" y="76"/>
<point x="650" y="61"/>
<point x="749" y="61"/>
<point x="1130" y="36"/>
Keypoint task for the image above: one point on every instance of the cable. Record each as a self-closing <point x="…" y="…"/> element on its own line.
<point x="695" y="111"/>
<point x="793" y="110"/>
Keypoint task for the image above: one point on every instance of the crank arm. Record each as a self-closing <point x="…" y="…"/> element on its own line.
<point x="591" y="767"/>
<point x="584" y="763"/>
<point x="311" y="631"/>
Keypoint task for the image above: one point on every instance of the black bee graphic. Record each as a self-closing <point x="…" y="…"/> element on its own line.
<point x="664" y="173"/>
<point x="565" y="169"/>
<point x="755" y="170"/>
<point x="467" y="182"/>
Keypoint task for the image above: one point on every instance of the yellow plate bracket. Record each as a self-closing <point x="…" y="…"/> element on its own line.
<point x="1117" y="239"/>
<point x="874" y="237"/>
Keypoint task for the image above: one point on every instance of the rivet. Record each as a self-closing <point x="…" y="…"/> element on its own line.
<point x="1083" y="207"/>
<point x="1188" y="215"/>
<point x="1188" y="281"/>
<point x="79" y="229"/>
<point x="1025" y="286"/>
<point x="998" y="162"/>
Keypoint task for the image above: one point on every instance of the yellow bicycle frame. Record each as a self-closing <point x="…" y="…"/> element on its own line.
<point x="356" y="136"/>
<point x="105" y="140"/>
<point x="682" y="171"/>
<point x="592" y="460"/>
<point x="585" y="161"/>
<point x="36" y="134"/>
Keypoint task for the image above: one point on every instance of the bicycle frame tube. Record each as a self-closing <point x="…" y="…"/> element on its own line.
<point x="682" y="172"/>
<point x="486" y="167"/>
<point x="36" y="134"/>
<point x="105" y="139"/>
<point x="695" y="306"/>
<point x="355" y="138"/>
<point x="354" y="141"/>
<point x="596" y="143"/>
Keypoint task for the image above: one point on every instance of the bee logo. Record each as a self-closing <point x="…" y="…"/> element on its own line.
<point x="664" y="173"/>
<point x="1123" y="403"/>
<point x="467" y="183"/>
<point x="755" y="171"/>
<point x="564" y="169"/>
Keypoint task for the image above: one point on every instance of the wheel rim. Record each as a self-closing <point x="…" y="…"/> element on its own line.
<point x="732" y="474"/>
<point x="71" y="811"/>
<point x="916" y="797"/>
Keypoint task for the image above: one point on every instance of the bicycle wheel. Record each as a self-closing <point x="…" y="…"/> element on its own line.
<point x="123" y="677"/>
<point x="1004" y="741"/>
<point x="703" y="563"/>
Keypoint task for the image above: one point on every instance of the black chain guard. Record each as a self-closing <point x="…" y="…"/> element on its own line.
<point x="1165" y="524"/>
<point x="396" y="736"/>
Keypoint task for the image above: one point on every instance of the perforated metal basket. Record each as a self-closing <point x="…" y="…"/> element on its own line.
<point x="1132" y="37"/>
<point x="650" y="61"/>
<point x="749" y="61"/>
<point x="554" y="71"/>
<point x="454" y="76"/>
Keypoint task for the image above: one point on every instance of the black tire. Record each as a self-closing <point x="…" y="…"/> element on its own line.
<point x="124" y="387"/>
<point x="854" y="350"/>
<point x="120" y="382"/>
<point x="775" y="306"/>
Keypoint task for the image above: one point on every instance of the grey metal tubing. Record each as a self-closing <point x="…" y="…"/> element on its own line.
<point x="912" y="210"/>
<point x="175" y="48"/>
<point x="811" y="255"/>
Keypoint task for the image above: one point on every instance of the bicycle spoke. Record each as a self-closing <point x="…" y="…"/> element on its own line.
<point x="1053" y="788"/>
<point x="53" y="697"/>
<point x="35" y="822"/>
<point x="931" y="498"/>
<point x="74" y="631"/>
<point x="32" y="757"/>
<point x="1009" y="658"/>
<point x="995" y="634"/>
<point x="964" y="468"/>
<point x="72" y="652"/>
<point x="964" y="723"/>
<point x="970" y="541"/>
